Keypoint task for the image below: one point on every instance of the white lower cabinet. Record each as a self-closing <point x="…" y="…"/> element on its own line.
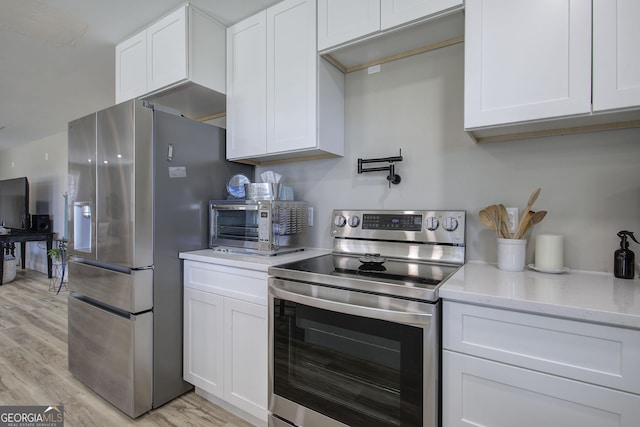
<point x="480" y="392"/>
<point x="203" y="334"/>
<point x="225" y="334"/>
<point x="245" y="350"/>
<point x="504" y="368"/>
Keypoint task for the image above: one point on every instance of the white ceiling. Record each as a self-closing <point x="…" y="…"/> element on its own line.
<point x="57" y="57"/>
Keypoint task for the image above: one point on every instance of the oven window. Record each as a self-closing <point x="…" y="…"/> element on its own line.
<point x="359" y="371"/>
<point x="236" y="225"/>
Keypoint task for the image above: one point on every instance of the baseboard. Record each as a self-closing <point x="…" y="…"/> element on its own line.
<point x="231" y="408"/>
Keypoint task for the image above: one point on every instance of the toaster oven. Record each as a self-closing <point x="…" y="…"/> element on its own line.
<point x="267" y="227"/>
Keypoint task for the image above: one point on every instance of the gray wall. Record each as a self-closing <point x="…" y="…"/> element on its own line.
<point x="590" y="182"/>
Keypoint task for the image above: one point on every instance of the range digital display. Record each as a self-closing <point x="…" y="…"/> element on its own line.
<point x="400" y="222"/>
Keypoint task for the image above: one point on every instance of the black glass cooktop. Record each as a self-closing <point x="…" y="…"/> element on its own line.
<point x="386" y="276"/>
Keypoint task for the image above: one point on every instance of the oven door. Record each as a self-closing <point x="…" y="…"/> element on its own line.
<point x="234" y="225"/>
<point x="338" y="357"/>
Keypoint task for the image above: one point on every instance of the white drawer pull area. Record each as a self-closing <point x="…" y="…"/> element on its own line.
<point x="589" y="352"/>
<point x="232" y="282"/>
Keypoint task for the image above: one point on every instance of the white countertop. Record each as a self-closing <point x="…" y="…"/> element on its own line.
<point x="590" y="296"/>
<point x="250" y="261"/>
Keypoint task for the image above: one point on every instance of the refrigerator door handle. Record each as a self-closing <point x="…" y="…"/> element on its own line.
<point x="131" y="292"/>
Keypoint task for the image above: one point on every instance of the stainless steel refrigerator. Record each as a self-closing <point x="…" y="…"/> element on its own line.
<point x="139" y="184"/>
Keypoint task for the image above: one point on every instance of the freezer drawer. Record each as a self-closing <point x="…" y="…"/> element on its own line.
<point x="131" y="292"/>
<point x="112" y="355"/>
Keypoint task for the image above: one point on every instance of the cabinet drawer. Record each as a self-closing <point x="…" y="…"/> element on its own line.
<point x="240" y="283"/>
<point x="479" y="392"/>
<point x="594" y="353"/>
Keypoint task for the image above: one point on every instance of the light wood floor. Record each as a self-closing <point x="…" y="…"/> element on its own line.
<point x="33" y="365"/>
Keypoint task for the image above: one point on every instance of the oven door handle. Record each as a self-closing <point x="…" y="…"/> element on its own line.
<point x="235" y="207"/>
<point x="407" y="312"/>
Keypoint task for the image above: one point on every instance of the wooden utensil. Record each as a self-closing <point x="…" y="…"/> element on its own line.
<point x="487" y="219"/>
<point x="535" y="217"/>
<point x="538" y="216"/>
<point x="524" y="219"/>
<point x="526" y="225"/>
<point x="495" y="213"/>
<point x="504" y="222"/>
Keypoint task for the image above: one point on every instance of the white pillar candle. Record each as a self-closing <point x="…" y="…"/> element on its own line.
<point x="549" y="252"/>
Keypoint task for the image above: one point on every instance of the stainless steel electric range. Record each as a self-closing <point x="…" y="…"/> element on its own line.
<point x="355" y="336"/>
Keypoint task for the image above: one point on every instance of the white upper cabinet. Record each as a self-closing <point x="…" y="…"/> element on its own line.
<point x="284" y="101"/>
<point x="526" y="61"/>
<point x="398" y="12"/>
<point x="167" y="50"/>
<point x="340" y="21"/>
<point x="291" y="76"/>
<point x="184" y="47"/>
<point x="539" y="69"/>
<point x="131" y="67"/>
<point x="247" y="87"/>
<point x="616" y="54"/>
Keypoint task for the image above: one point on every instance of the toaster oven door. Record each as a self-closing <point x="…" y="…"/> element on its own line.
<point x="235" y="225"/>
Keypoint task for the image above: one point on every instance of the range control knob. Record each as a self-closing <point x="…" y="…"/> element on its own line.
<point x="432" y="223"/>
<point x="450" y="223"/>
<point x="339" y="221"/>
<point x="354" y="221"/>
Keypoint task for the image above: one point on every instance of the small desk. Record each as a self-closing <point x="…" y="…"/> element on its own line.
<point x="8" y="241"/>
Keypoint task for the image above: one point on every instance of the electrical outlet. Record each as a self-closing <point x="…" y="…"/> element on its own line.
<point x="513" y="219"/>
<point x="310" y="216"/>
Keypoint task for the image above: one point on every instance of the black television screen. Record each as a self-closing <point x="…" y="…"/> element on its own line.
<point x="14" y="203"/>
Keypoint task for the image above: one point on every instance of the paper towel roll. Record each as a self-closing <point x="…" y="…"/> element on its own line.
<point x="549" y="252"/>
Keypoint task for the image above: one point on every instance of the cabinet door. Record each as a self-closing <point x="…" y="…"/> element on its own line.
<point x="167" y="50"/>
<point x="131" y="67"/>
<point x="526" y="60"/>
<point x="245" y="347"/>
<point x="291" y="76"/>
<point x="203" y="340"/>
<point x="340" y="21"/>
<point x="616" y="54"/>
<point x="398" y="12"/>
<point x="247" y="87"/>
<point x="479" y="392"/>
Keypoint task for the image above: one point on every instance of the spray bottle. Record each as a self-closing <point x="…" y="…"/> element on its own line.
<point x="624" y="259"/>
